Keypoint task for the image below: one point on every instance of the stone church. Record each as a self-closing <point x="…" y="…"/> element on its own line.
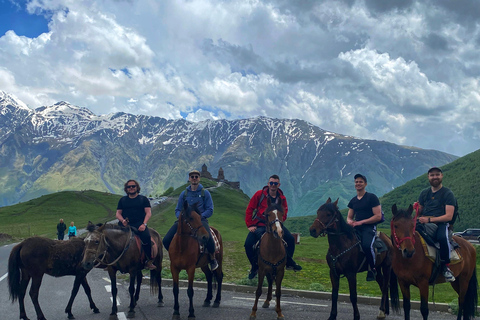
<point x="221" y="177"/>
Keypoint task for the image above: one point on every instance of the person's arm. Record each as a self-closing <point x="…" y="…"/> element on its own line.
<point x="252" y="205"/>
<point x="120" y="217"/>
<point x="208" y="205"/>
<point x="285" y="207"/>
<point x="179" y="207"/>
<point x="377" y="216"/>
<point x="148" y="214"/>
<point x="350" y="215"/>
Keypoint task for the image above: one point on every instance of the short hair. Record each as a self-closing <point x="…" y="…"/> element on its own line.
<point x="358" y="175"/>
<point x="126" y="183"/>
<point x="274" y="176"/>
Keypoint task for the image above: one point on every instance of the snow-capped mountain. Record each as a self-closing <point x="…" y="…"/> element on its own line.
<point x="65" y="147"/>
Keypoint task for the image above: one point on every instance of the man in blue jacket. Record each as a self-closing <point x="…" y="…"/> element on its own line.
<point x="195" y="194"/>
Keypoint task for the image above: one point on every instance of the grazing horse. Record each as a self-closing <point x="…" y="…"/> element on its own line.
<point x="413" y="267"/>
<point x="272" y="258"/>
<point x="115" y="248"/>
<point x="184" y="252"/>
<point x="345" y="257"/>
<point x="36" y="256"/>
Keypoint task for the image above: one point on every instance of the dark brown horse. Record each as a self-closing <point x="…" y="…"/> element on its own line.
<point x="412" y="267"/>
<point x="272" y="258"/>
<point x="115" y="248"/>
<point x="185" y="254"/>
<point x="36" y="256"/>
<point x="344" y="257"/>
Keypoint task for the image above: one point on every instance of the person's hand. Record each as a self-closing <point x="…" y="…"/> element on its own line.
<point x="252" y="228"/>
<point x="125" y="222"/>
<point x="357" y="223"/>
<point x="423" y="219"/>
<point x="142" y="227"/>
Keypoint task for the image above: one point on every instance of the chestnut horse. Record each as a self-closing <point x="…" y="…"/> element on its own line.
<point x="184" y="252"/>
<point x="345" y="257"/>
<point x="115" y="248"/>
<point x="36" y="256"/>
<point x="412" y="267"/>
<point x="272" y="258"/>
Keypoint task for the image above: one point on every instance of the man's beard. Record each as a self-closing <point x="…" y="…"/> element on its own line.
<point x="435" y="183"/>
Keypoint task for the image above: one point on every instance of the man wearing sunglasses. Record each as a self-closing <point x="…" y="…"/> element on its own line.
<point x="135" y="210"/>
<point x="256" y="226"/>
<point x="195" y="194"/>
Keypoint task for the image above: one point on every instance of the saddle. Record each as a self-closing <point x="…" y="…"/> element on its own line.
<point x="378" y="245"/>
<point x="430" y="246"/>
<point x="140" y="247"/>
<point x="257" y="244"/>
<point x="215" y="240"/>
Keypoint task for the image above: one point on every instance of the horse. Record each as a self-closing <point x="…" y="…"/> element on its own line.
<point x="115" y="248"/>
<point x="272" y="258"/>
<point x="36" y="256"/>
<point x="184" y="252"/>
<point x="413" y="267"/>
<point x="345" y="257"/>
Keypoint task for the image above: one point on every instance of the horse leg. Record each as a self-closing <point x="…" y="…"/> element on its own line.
<point x="34" y="291"/>
<point x="258" y="293"/>
<point x="79" y="279"/>
<point x="423" y="287"/>
<point x="139" y="284"/>
<point x="278" y="293"/>
<point x="21" y="295"/>
<point x="335" y="287"/>
<point x="176" y="306"/>
<point x="383" y="277"/>
<point x="158" y="279"/>
<point x="266" y="304"/>
<point x="113" y="282"/>
<point x="131" y="291"/>
<point x="352" y="286"/>
<point x="209" y="277"/>
<point x="191" y="276"/>
<point x="219" y="276"/>
<point x="405" y="288"/>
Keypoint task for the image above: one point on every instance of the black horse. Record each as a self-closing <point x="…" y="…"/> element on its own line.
<point x="36" y="256"/>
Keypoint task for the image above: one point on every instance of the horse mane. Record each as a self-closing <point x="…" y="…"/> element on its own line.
<point x="275" y="206"/>
<point x="343" y="225"/>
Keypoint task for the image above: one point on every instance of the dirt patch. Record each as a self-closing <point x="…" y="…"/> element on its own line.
<point x="5" y="237"/>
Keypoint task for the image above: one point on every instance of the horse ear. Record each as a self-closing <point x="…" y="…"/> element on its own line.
<point x="90" y="226"/>
<point x="394" y="209"/>
<point x="410" y="209"/>
<point x="336" y="202"/>
<point x="328" y="200"/>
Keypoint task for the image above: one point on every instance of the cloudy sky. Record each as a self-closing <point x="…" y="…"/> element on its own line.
<point x="403" y="71"/>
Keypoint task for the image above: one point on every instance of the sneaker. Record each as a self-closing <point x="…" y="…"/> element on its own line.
<point x="253" y="272"/>
<point x="449" y="277"/>
<point x="213" y="265"/>
<point x="149" y="265"/>
<point x="371" y="275"/>
<point x="295" y="267"/>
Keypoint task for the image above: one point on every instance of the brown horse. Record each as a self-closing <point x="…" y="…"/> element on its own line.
<point x="412" y="267"/>
<point x="36" y="256"/>
<point x="184" y="252"/>
<point x="344" y="257"/>
<point x="115" y="248"/>
<point x="272" y="258"/>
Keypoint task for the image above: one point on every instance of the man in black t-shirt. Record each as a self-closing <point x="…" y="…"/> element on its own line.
<point x="135" y="210"/>
<point x="364" y="212"/>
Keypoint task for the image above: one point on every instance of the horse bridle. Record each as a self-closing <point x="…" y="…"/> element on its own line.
<point x="398" y="241"/>
<point x="192" y="229"/>
<point x="125" y="248"/>
<point x="328" y="225"/>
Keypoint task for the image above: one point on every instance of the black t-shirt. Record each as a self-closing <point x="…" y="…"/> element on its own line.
<point x="362" y="209"/>
<point x="133" y="208"/>
<point x="433" y="203"/>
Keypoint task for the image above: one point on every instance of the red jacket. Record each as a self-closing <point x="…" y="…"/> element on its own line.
<point x="252" y="205"/>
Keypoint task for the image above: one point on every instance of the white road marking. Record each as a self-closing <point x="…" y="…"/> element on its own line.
<point x="121" y="316"/>
<point x="4" y="276"/>
<point x="286" y="302"/>
<point x="108" y="288"/>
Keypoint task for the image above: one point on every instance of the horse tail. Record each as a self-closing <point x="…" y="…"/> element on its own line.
<point x="471" y="297"/>
<point x="154" y="276"/>
<point x="394" y="298"/>
<point x="14" y="273"/>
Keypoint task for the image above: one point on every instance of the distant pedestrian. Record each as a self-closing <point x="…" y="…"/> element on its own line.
<point x="61" y="227"/>
<point x="72" y="230"/>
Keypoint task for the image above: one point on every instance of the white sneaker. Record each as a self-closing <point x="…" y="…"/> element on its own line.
<point x="449" y="277"/>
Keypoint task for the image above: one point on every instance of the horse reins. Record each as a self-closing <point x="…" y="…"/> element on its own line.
<point x="398" y="241"/>
<point x="192" y="229"/>
<point x="329" y="224"/>
<point x="127" y="245"/>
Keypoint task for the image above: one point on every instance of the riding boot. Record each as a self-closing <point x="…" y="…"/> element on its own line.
<point x="147" y="249"/>
<point x="292" y="265"/>
<point x="213" y="262"/>
<point x="371" y="274"/>
<point x="254" y="262"/>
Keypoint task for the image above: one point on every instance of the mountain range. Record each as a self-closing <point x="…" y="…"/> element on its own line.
<point x="66" y="147"/>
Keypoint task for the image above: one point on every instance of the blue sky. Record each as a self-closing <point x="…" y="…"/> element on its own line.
<point x="405" y="71"/>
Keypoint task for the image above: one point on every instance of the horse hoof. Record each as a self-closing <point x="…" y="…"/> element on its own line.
<point x="381" y="315"/>
<point x="281" y="318"/>
<point x="253" y="317"/>
<point x="160" y="304"/>
<point x="131" y="314"/>
<point x="216" y="304"/>
<point x="191" y="317"/>
<point x="71" y="316"/>
<point x="113" y="317"/>
<point x="176" y="317"/>
<point x="266" y="305"/>
<point x="96" y="310"/>
<point x="206" y="304"/>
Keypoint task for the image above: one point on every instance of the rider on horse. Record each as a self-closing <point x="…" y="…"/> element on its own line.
<point x="365" y="208"/>
<point x="135" y="210"/>
<point x="195" y="194"/>
<point x="436" y="204"/>
<point x="256" y="223"/>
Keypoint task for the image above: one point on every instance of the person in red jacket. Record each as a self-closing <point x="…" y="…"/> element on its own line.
<point x="255" y="223"/>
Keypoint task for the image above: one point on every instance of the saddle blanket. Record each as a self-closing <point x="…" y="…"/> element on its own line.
<point x="215" y="240"/>
<point x="431" y="252"/>
<point x="154" y="247"/>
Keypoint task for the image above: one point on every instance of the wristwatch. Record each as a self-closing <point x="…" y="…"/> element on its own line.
<point x="145" y="224"/>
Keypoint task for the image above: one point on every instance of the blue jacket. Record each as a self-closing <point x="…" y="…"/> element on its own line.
<point x="204" y="204"/>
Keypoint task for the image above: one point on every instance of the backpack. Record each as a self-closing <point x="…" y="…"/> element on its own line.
<point x="202" y="194"/>
<point x="456" y="214"/>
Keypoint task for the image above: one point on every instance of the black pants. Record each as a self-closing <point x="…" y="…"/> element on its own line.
<point x="167" y="239"/>
<point x="61" y="236"/>
<point x="442" y="238"/>
<point x="145" y="238"/>
<point x="367" y="236"/>
<point x="253" y="237"/>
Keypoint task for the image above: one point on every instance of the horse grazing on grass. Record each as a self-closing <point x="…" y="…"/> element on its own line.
<point x="184" y="252"/>
<point x="413" y="267"/>
<point x="345" y="257"/>
<point x="272" y="258"/>
<point x="118" y="249"/>
<point x="36" y="256"/>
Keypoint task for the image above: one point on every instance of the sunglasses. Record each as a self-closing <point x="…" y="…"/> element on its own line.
<point x="273" y="183"/>
<point x="130" y="187"/>
<point x="194" y="177"/>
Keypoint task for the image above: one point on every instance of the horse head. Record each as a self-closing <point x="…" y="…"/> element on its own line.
<point x="274" y="218"/>
<point x="191" y="221"/>
<point x="327" y="217"/>
<point x="92" y="242"/>
<point x="402" y="229"/>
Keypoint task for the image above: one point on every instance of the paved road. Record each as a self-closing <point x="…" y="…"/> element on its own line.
<point x="235" y="305"/>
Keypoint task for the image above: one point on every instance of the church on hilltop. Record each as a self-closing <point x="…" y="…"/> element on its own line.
<point x="221" y="177"/>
